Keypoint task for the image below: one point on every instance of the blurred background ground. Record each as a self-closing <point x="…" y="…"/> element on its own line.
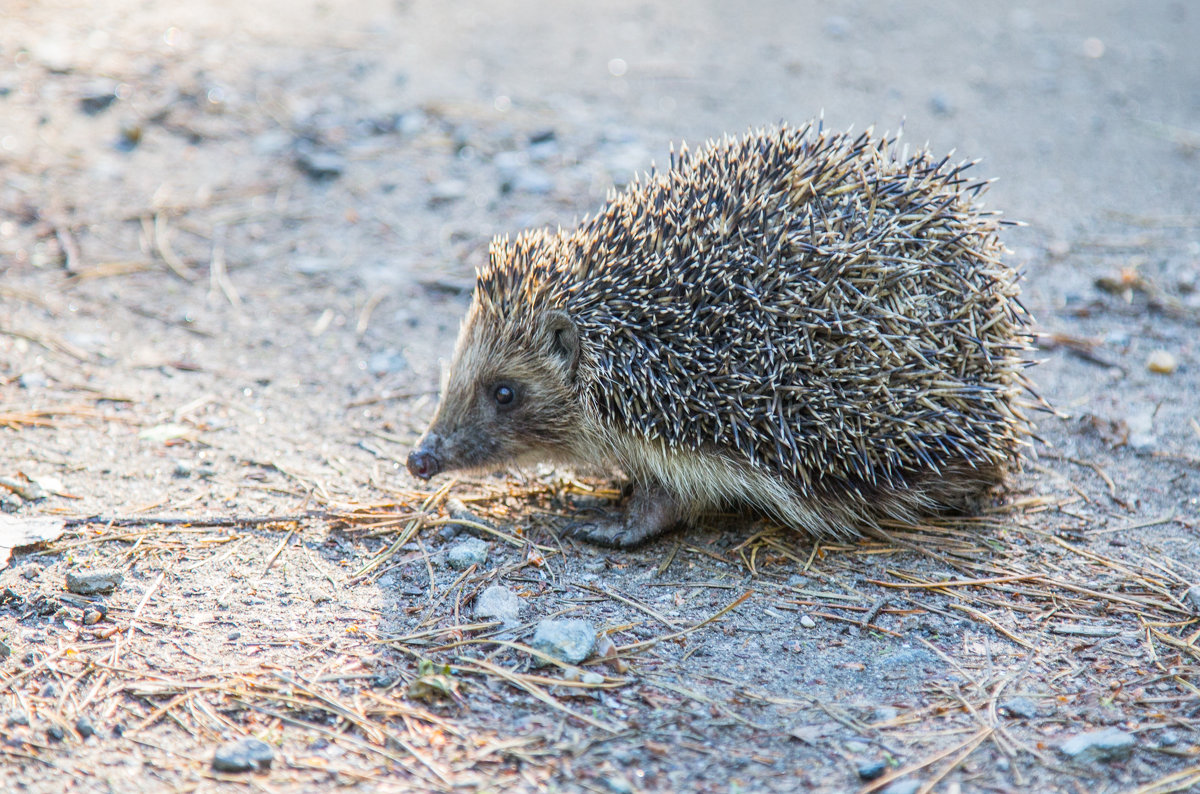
<point x="235" y="241"/>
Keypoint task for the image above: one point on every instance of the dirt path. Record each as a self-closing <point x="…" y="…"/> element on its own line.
<point x="235" y="240"/>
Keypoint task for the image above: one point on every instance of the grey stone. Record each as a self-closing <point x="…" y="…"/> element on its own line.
<point x="466" y="553"/>
<point x="904" y="786"/>
<point x="84" y="727"/>
<point x="33" y="380"/>
<point x="542" y="151"/>
<point x="569" y="640"/>
<point x="272" y="143"/>
<point x="618" y="784"/>
<point x="244" y="755"/>
<point x="884" y="714"/>
<point x="870" y="770"/>
<point x="532" y="180"/>
<point x="1141" y="430"/>
<point x="1192" y="596"/>
<point x="92" y="582"/>
<point x="5" y="651"/>
<point x="498" y="602"/>
<point x="386" y="362"/>
<point x="909" y="657"/>
<point x="1110" y="744"/>
<point x="97" y="96"/>
<point x="1020" y="707"/>
<point x="320" y="165"/>
<point x="448" y="190"/>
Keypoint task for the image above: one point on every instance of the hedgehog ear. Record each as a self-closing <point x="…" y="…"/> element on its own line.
<point x="564" y="338"/>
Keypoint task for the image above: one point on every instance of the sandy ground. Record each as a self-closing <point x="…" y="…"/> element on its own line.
<point x="235" y="244"/>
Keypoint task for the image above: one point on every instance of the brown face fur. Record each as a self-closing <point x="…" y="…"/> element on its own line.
<point x="512" y="395"/>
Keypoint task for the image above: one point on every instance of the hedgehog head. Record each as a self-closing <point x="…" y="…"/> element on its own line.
<point x="511" y="394"/>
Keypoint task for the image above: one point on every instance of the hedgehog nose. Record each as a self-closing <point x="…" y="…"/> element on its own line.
<point x="423" y="463"/>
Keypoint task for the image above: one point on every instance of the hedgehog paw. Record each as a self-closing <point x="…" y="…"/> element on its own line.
<point x="617" y="534"/>
<point x="650" y="513"/>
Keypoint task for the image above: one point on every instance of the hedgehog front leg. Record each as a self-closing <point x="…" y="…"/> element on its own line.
<point x="649" y="512"/>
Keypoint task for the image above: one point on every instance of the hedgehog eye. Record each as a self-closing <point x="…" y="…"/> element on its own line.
<point x="504" y="394"/>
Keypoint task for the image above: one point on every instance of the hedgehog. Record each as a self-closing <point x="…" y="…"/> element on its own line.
<point x="817" y="326"/>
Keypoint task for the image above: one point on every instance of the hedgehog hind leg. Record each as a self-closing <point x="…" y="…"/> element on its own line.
<point x="650" y="511"/>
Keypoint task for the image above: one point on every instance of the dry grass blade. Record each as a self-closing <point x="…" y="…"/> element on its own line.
<point x="414" y="526"/>
<point x="963" y="750"/>
<point x="1183" y="780"/>
<point x="957" y="582"/>
<point x="483" y="667"/>
<point x="636" y="646"/>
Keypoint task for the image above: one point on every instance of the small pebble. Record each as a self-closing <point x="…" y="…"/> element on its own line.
<point x="386" y="362"/>
<point x="1161" y="363"/>
<point x="320" y="165"/>
<point x="33" y="380"/>
<point x="903" y="787"/>
<point x="466" y="553"/>
<point x="1110" y="744"/>
<point x="617" y="784"/>
<point x="1022" y="708"/>
<point x="884" y="714"/>
<point x="5" y="651"/>
<point x="96" y="97"/>
<point x="55" y="733"/>
<point x="447" y="190"/>
<point x="15" y="718"/>
<point x="807" y="622"/>
<point x="31" y="571"/>
<point x="909" y="657"/>
<point x="92" y="616"/>
<point x="84" y="727"/>
<point x="244" y="755"/>
<point x="569" y="640"/>
<point x="532" y="180"/>
<point x="499" y="603"/>
<point x="872" y="769"/>
<point x="93" y="582"/>
<point x="460" y="512"/>
<point x="1192" y="596"/>
<point x="1141" y="429"/>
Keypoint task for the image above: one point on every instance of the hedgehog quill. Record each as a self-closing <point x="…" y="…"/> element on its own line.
<point x="812" y="325"/>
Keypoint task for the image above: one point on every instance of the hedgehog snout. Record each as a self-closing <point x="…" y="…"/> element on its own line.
<point x="422" y="461"/>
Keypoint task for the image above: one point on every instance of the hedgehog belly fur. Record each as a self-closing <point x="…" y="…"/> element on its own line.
<point x="706" y="482"/>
